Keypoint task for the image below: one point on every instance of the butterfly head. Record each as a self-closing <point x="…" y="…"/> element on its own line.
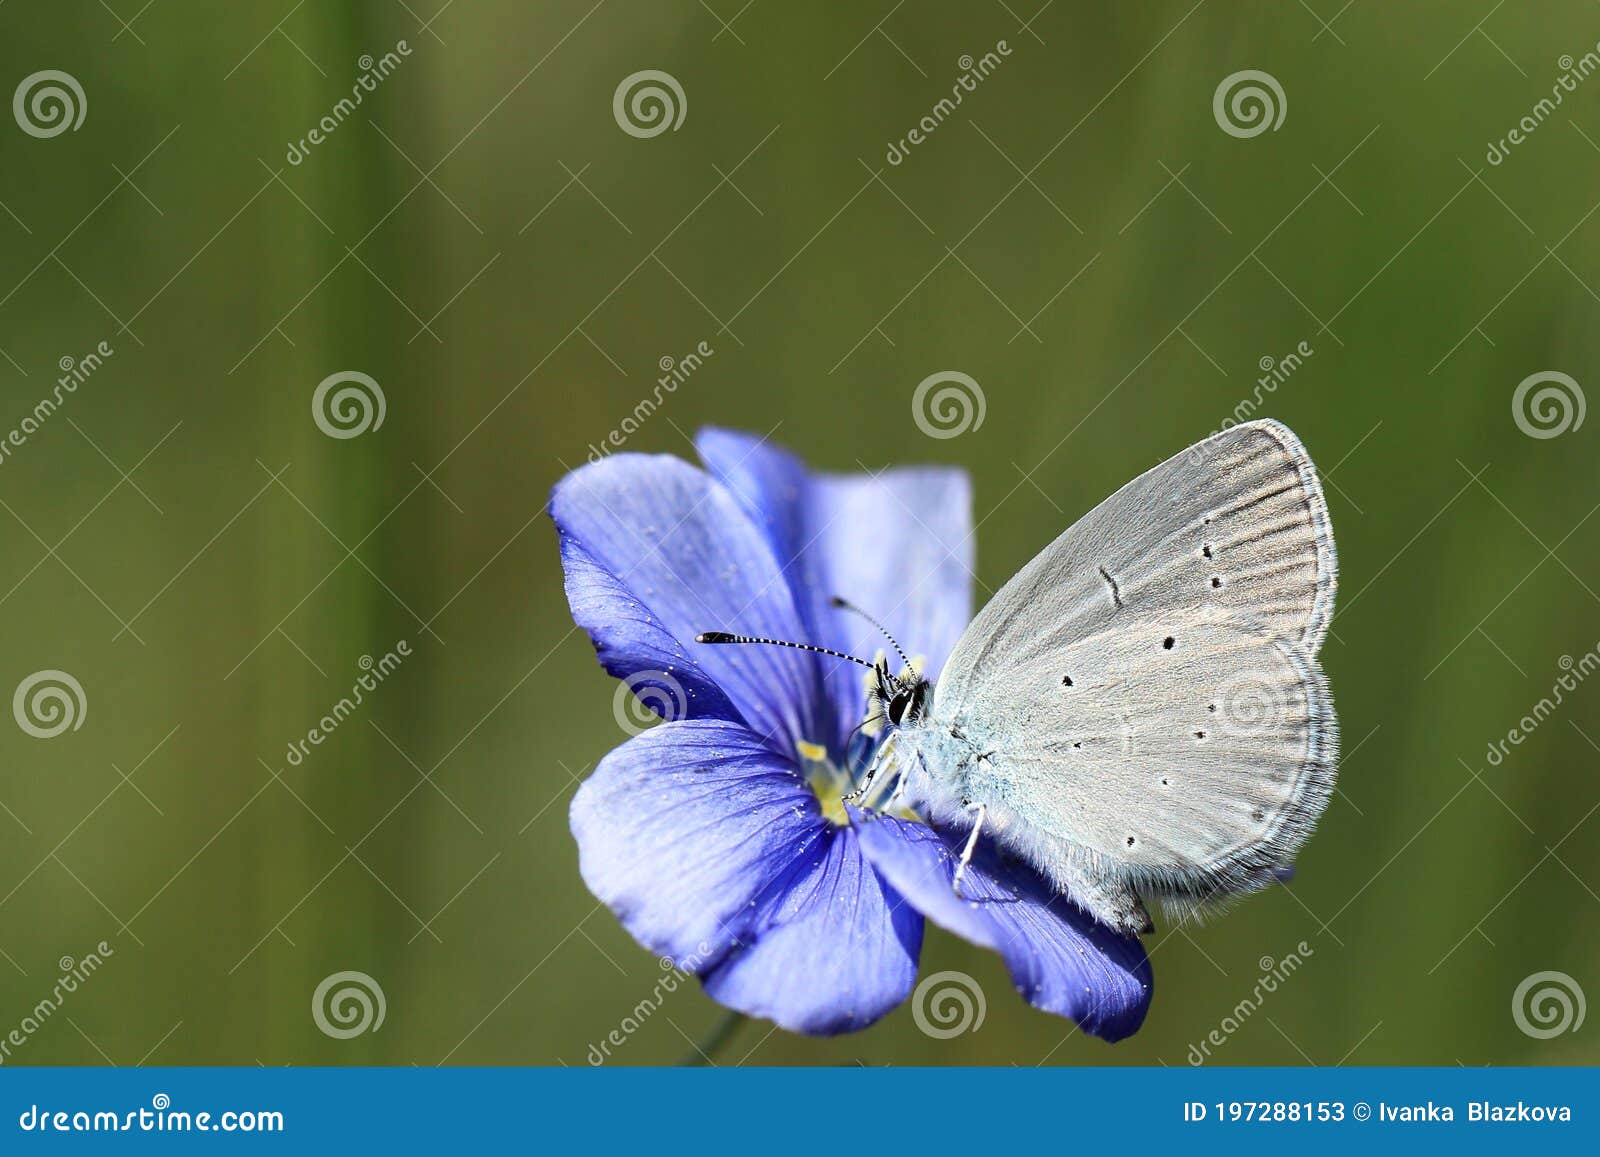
<point x="897" y="700"/>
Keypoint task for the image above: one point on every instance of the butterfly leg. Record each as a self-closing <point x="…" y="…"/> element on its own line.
<point x="902" y="782"/>
<point x="972" y="844"/>
<point x="874" y="800"/>
<point x="898" y="794"/>
<point x="864" y="794"/>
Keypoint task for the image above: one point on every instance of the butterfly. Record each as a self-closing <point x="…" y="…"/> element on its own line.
<point x="1139" y="713"/>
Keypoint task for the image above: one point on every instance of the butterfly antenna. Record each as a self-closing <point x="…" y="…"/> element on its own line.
<point x="726" y="637"/>
<point x="844" y="604"/>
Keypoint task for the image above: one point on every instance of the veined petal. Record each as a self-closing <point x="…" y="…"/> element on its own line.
<point x="713" y="852"/>
<point x="631" y="642"/>
<point x="1060" y="958"/>
<point x="898" y="544"/>
<point x="656" y="552"/>
<point x="684" y="828"/>
<point x="835" y="949"/>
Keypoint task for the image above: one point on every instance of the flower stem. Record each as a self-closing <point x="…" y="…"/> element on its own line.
<point x="721" y="1033"/>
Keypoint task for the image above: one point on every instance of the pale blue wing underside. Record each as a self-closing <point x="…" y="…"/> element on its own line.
<point x="1147" y="688"/>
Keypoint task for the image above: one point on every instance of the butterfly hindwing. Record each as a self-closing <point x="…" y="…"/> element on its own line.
<point x="1192" y="768"/>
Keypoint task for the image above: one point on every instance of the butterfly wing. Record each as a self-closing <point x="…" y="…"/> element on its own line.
<point x="1147" y="687"/>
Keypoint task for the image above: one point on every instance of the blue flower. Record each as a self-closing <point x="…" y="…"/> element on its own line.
<point x="719" y="837"/>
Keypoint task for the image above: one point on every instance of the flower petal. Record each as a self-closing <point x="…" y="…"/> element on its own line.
<point x="1060" y="958"/>
<point x="682" y="828"/>
<point x="713" y="852"/>
<point x="899" y="544"/>
<point x="631" y="643"/>
<point x="836" y="950"/>
<point x="656" y="552"/>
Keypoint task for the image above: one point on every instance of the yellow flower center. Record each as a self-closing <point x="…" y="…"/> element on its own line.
<point x="830" y="784"/>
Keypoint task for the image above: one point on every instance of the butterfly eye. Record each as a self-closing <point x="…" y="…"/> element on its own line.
<point x="898" y="705"/>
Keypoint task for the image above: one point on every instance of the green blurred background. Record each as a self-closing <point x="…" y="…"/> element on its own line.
<point x="482" y="238"/>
